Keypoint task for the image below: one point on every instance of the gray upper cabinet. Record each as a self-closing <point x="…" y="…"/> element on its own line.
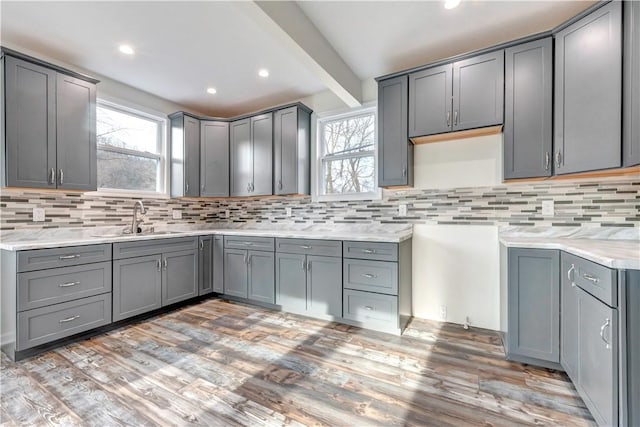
<point x="76" y="134"/>
<point x="395" y="151"/>
<point x="240" y="158"/>
<point x="291" y="151"/>
<point x="430" y="105"/>
<point x="478" y="91"/>
<point x="205" y="265"/>
<point x="631" y="84"/>
<point x="179" y="276"/>
<point x="251" y="156"/>
<point x="185" y="155"/>
<point x="214" y="159"/>
<point x="49" y="128"/>
<point x="588" y="92"/>
<point x="533" y="305"/>
<point x="528" y="110"/>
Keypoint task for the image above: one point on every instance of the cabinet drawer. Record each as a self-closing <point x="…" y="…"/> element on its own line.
<point x="310" y="247"/>
<point x="372" y="276"/>
<point x="46" y="287"/>
<point x="40" y="259"/>
<point x="47" y="324"/>
<point x="369" y="307"/>
<point x="249" y="242"/>
<point x="370" y="250"/>
<point x="598" y="280"/>
<point x="153" y="247"/>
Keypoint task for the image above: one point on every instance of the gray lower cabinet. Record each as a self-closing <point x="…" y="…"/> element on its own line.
<point x="236" y="281"/>
<point x="251" y="154"/>
<point x="205" y="265"/>
<point x="291" y="150"/>
<point x="50" y="139"/>
<point x="631" y="85"/>
<point x="179" y="276"/>
<point x="249" y="274"/>
<point x="569" y="317"/>
<point x="214" y="159"/>
<point x="395" y="150"/>
<point x="137" y="286"/>
<point x="528" y="107"/>
<point x="588" y="92"/>
<point x="630" y="348"/>
<point x="218" y="264"/>
<point x="291" y="282"/>
<point x="533" y="306"/>
<point x="185" y="155"/>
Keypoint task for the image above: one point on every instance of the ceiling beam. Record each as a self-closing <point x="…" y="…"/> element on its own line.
<point x="288" y="23"/>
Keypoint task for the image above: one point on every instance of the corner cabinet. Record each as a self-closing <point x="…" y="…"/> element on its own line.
<point x="251" y="155"/>
<point x="50" y="127"/>
<point x="631" y="85"/>
<point x="291" y="151"/>
<point x="185" y="155"/>
<point x="214" y="159"/>
<point x="395" y="150"/>
<point x="588" y="92"/>
<point x="528" y="103"/>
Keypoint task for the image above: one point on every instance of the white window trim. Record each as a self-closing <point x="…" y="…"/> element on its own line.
<point x="316" y="154"/>
<point x="164" y="150"/>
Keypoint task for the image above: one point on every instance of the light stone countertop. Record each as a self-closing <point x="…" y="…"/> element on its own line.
<point x="63" y="237"/>
<point x="613" y="248"/>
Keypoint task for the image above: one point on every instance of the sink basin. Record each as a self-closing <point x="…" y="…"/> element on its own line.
<point x="144" y="233"/>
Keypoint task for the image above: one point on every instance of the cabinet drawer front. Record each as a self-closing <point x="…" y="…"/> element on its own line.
<point x="598" y="280"/>
<point x="370" y="250"/>
<point x="249" y="242"/>
<point x="40" y="259"/>
<point x="369" y="307"/>
<point x="372" y="276"/>
<point x="46" y="287"/>
<point x="153" y="247"/>
<point x="310" y="247"/>
<point x="47" y="324"/>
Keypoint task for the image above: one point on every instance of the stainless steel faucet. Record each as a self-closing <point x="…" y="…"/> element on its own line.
<point x="135" y="222"/>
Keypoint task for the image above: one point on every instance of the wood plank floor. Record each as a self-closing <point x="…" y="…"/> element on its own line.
<point x="224" y="364"/>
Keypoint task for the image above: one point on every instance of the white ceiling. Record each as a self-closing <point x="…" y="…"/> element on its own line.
<point x="184" y="47"/>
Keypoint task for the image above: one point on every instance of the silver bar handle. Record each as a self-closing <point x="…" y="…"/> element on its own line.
<point x="68" y="284"/>
<point x="67" y="257"/>
<point x="61" y="177"/>
<point x="602" y="328"/>
<point x="547" y="161"/>
<point x="245" y="258"/>
<point x="455" y="118"/>
<point x="448" y="118"/>
<point x="305" y="247"/>
<point x="369" y="276"/>
<point x="308" y="265"/>
<point x="252" y="188"/>
<point x="201" y="244"/>
<point x="369" y="251"/>
<point x="304" y="264"/>
<point x="69" y="319"/>
<point x="52" y="176"/>
<point x="159" y="264"/>
<point x="591" y="278"/>
<point x="249" y="259"/>
<point x="165" y="263"/>
<point x="558" y="159"/>
<point x="404" y="172"/>
<point x="570" y="272"/>
<point x="368" y="307"/>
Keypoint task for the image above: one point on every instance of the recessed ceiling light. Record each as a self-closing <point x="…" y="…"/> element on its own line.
<point x="451" y="4"/>
<point x="211" y="90"/>
<point x="263" y="73"/>
<point x="126" y="49"/>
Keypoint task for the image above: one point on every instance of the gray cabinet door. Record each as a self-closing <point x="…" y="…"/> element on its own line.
<point x="262" y="141"/>
<point x="137" y="286"/>
<point x="30" y="124"/>
<point x="324" y="286"/>
<point x="430" y="101"/>
<point x="76" y="133"/>
<point x="179" y="276"/>
<point x="631" y="84"/>
<point x="528" y="109"/>
<point x="205" y="265"/>
<point x="395" y="151"/>
<point x="235" y="273"/>
<point x="214" y="159"/>
<point x="291" y="282"/>
<point x="478" y="91"/>
<point x="569" y="318"/>
<point x="218" y="264"/>
<point x="262" y="285"/>
<point x="192" y="156"/>
<point x="534" y="304"/>
<point x="240" y="158"/>
<point x="285" y="151"/>
<point x="588" y="92"/>
<point x="598" y="355"/>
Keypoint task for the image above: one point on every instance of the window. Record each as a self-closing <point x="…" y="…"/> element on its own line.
<point x="130" y="149"/>
<point x="346" y="148"/>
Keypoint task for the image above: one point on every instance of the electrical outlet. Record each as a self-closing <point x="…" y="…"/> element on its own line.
<point x="443" y="312"/>
<point x="402" y="210"/>
<point x="288" y="212"/>
<point x="177" y="214"/>
<point x="38" y="215"/>
<point x="548" y="208"/>
<point x="227" y="214"/>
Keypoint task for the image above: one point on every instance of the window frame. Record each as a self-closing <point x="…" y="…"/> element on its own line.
<point x="318" y="156"/>
<point x="161" y="144"/>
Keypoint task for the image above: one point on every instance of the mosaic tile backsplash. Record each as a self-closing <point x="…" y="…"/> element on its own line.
<point x="603" y="203"/>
